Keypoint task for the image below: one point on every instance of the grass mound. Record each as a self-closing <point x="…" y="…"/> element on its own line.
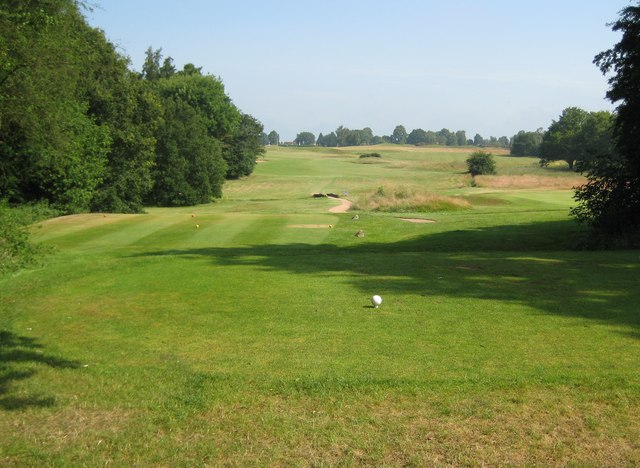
<point x="399" y="198"/>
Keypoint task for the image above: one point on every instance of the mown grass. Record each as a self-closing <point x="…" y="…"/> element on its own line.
<point x="250" y="341"/>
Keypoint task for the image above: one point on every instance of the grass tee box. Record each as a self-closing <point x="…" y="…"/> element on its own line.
<point x="251" y="339"/>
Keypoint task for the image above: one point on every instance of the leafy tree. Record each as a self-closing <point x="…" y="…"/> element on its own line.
<point x="481" y="163"/>
<point x="478" y="140"/>
<point x="564" y="139"/>
<point x="151" y="65"/>
<point x="504" y="142"/>
<point x="330" y="140"/>
<point x="305" y="139"/>
<point x="50" y="148"/>
<point x="366" y="136"/>
<point x="417" y="136"/>
<point x="120" y="101"/>
<point x="399" y="135"/>
<point x="446" y="137"/>
<point x="576" y="136"/>
<point x="526" y="143"/>
<point x="461" y="138"/>
<point x="610" y="201"/>
<point x="189" y="168"/>
<point x="244" y="148"/>
<point x="274" y="138"/>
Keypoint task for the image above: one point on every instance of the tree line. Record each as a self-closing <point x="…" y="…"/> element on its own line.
<point x="82" y="131"/>
<point x="344" y="136"/>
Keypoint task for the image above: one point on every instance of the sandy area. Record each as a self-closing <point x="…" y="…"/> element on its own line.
<point x="418" y="220"/>
<point x="343" y="207"/>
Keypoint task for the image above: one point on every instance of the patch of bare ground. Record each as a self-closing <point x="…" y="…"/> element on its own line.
<point x="343" y="207"/>
<point x="308" y="226"/>
<point x="418" y="220"/>
<point x="529" y="181"/>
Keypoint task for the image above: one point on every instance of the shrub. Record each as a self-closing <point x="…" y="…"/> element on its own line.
<point x="16" y="250"/>
<point x="370" y="155"/>
<point x="481" y="163"/>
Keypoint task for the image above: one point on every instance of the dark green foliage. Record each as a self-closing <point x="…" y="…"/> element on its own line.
<point x="189" y="168"/>
<point x="82" y="131"/>
<point x="610" y="201"/>
<point x="526" y="143"/>
<point x="16" y="251"/>
<point x="370" y="155"/>
<point x="305" y="139"/>
<point x="577" y="136"/>
<point x="399" y="135"/>
<point x="50" y="148"/>
<point x="244" y="148"/>
<point x="273" y="138"/>
<point x="481" y="163"/>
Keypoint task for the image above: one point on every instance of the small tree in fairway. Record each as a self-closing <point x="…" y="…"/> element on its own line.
<point x="481" y="163"/>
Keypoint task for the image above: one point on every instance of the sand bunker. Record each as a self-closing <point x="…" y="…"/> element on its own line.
<point x="418" y="220"/>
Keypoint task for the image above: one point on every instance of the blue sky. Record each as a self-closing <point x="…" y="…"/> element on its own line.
<point x="492" y="67"/>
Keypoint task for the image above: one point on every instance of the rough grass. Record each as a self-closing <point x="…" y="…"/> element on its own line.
<point x="399" y="198"/>
<point x="528" y="182"/>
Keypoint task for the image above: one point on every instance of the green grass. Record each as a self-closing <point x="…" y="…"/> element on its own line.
<point x="250" y="340"/>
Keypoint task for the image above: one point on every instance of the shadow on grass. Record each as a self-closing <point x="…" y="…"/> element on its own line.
<point x="17" y="354"/>
<point x="528" y="264"/>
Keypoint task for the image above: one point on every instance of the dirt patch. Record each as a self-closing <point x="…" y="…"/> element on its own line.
<point x="309" y="226"/>
<point x="343" y="207"/>
<point x="418" y="220"/>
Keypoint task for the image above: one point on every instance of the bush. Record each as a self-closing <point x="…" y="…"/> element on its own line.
<point x="16" y="250"/>
<point x="370" y="155"/>
<point x="481" y="163"/>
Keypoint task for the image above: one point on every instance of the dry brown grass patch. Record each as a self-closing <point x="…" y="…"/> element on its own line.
<point x="398" y="198"/>
<point x="529" y="181"/>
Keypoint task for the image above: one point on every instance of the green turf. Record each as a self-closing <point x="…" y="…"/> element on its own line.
<point x="250" y="340"/>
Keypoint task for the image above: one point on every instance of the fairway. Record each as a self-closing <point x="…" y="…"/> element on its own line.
<point x="241" y="332"/>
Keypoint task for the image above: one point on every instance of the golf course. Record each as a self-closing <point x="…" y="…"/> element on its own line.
<point x="241" y="332"/>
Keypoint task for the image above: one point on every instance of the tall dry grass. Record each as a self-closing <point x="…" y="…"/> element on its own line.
<point x="529" y="181"/>
<point x="400" y="198"/>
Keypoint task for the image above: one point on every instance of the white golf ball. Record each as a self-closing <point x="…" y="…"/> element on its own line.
<point x="376" y="301"/>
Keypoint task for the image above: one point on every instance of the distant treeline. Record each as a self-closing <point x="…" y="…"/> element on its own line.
<point x="343" y="136"/>
<point x="82" y="131"/>
<point x="577" y="136"/>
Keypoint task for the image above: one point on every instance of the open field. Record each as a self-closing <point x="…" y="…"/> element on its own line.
<point x="250" y="339"/>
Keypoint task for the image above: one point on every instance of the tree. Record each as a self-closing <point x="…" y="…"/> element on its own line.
<point x="399" y="135"/>
<point x="305" y="139"/>
<point x="481" y="163"/>
<point x="478" y="140"/>
<point x="576" y="136"/>
<point x="151" y="65"/>
<point x="564" y="139"/>
<point x="461" y="138"/>
<point x="417" y="136"/>
<point x="274" y="138"/>
<point x="50" y="148"/>
<point x="610" y="201"/>
<point x="245" y="148"/>
<point x="526" y="143"/>
<point x="329" y="140"/>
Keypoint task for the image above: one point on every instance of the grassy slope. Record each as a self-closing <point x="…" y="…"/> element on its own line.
<point x="250" y="339"/>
